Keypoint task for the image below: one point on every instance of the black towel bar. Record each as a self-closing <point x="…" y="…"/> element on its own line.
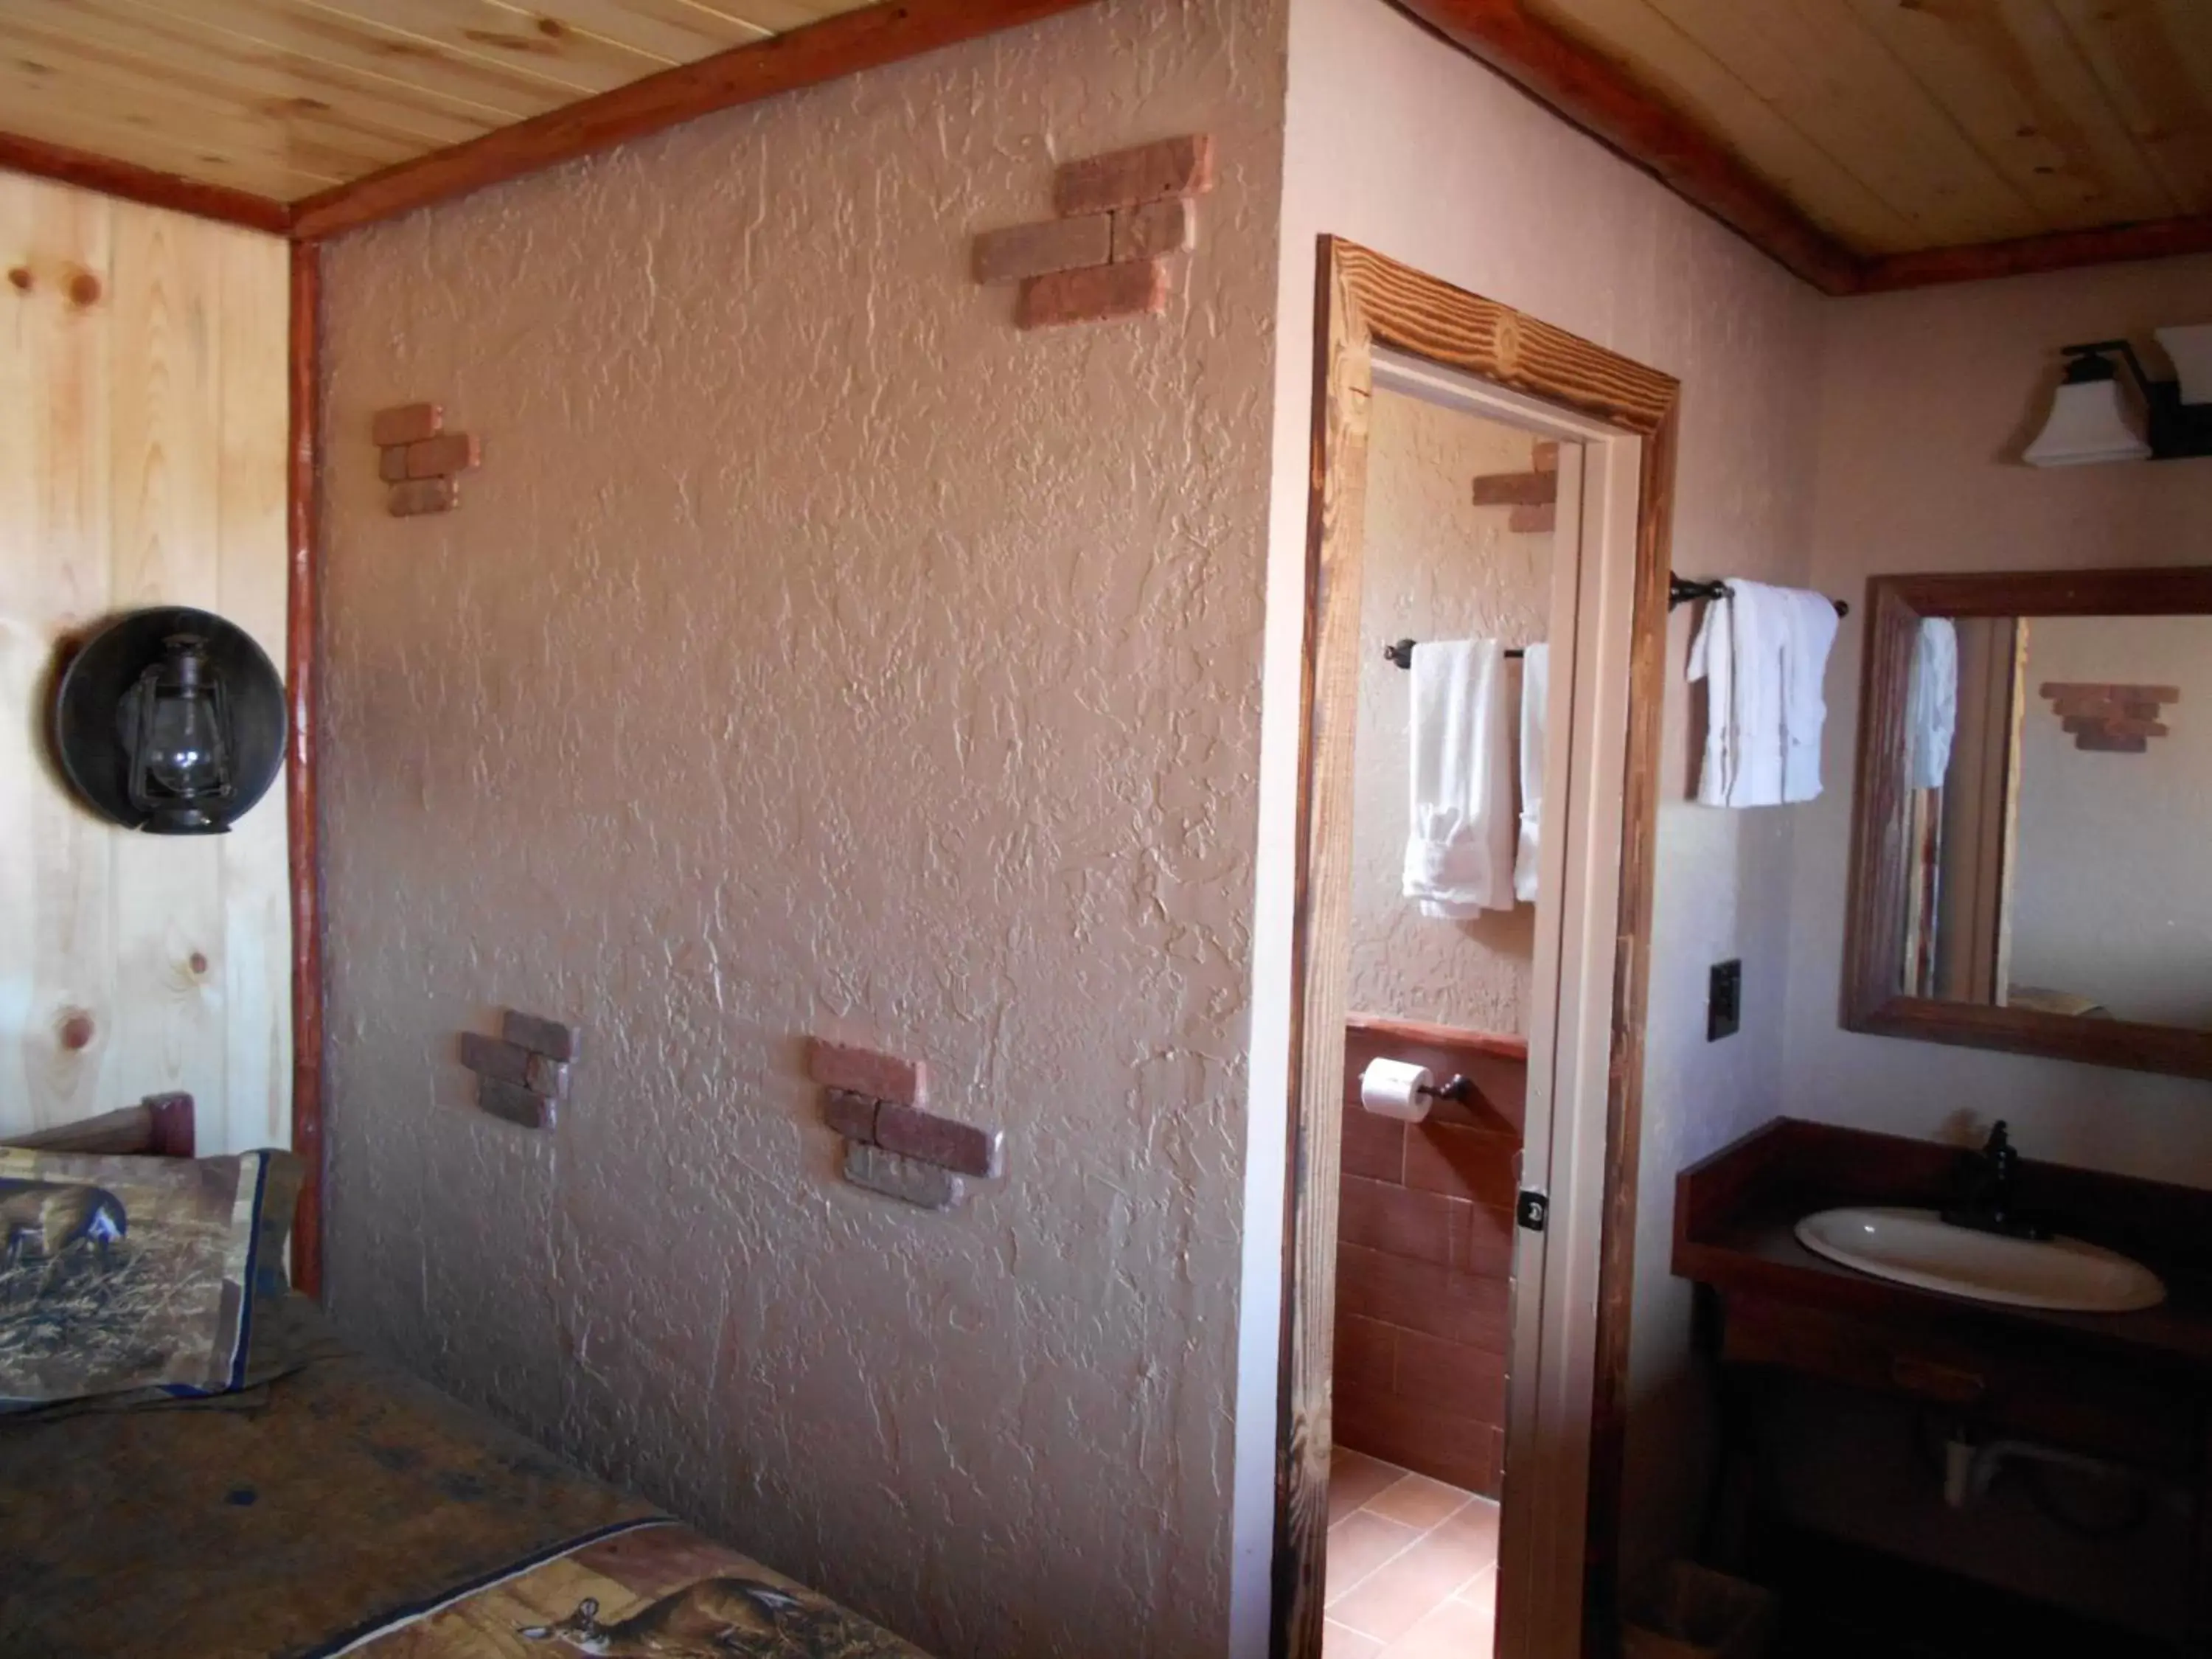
<point x="1681" y="590"/>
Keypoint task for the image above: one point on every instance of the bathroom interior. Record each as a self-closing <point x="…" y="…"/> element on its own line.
<point x="1950" y="1390"/>
<point x="1460" y="520"/>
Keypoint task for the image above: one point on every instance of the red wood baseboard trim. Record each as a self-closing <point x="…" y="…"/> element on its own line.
<point x="2149" y="238"/>
<point x="301" y="668"/>
<point x="839" y="46"/>
<point x="137" y="184"/>
<point x="1609" y="104"/>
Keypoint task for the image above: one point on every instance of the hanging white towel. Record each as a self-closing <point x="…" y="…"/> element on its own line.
<point x="1763" y="653"/>
<point x="1459" y="852"/>
<point x="1931" y="703"/>
<point x="1535" y="698"/>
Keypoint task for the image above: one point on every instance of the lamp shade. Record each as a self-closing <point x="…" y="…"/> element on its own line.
<point x="2091" y="420"/>
<point x="2191" y="351"/>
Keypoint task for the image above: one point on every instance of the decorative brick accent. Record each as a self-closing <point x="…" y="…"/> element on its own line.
<point x="507" y="1062"/>
<point x="852" y="1116"/>
<point x="516" y="1105"/>
<point x="420" y="495"/>
<point x="2112" y="720"/>
<point x="419" y="460"/>
<point x="548" y="1037"/>
<point x="940" y="1140"/>
<point x="864" y="1072"/>
<point x="1154" y="229"/>
<point x="1516" y="490"/>
<point x="407" y="423"/>
<point x="905" y="1178"/>
<point x="1545" y="457"/>
<point x="443" y="457"/>
<point x="1172" y="166"/>
<point x="1526" y="521"/>
<point x="1121" y="215"/>
<point x="513" y="1071"/>
<point x="1020" y="250"/>
<point x="1093" y="295"/>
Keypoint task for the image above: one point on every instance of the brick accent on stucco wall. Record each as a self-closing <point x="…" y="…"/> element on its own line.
<point x="419" y="461"/>
<point x="1122" y="215"/>
<point x="1424" y="1265"/>
<point x="2111" y="719"/>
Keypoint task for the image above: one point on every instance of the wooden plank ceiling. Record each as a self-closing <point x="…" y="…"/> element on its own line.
<point x="285" y="98"/>
<point x="1900" y="126"/>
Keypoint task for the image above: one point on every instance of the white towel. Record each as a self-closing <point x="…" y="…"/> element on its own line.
<point x="1535" y="698"/>
<point x="1931" y="703"/>
<point x="1459" y="852"/>
<point x="1763" y="653"/>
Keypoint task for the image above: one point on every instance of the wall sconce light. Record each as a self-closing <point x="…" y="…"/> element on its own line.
<point x="2095" y="417"/>
<point x="170" y="721"/>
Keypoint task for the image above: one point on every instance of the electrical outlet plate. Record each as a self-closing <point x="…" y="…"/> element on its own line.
<point x="1724" y="1001"/>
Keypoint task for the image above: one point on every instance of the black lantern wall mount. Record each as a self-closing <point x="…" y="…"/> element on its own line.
<point x="170" y="721"/>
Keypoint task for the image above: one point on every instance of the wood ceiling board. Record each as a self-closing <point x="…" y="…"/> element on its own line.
<point x="2017" y="85"/>
<point x="671" y="31"/>
<point x="341" y="42"/>
<point x="532" y="43"/>
<point x="264" y="70"/>
<point x="780" y="16"/>
<point x="2155" y="64"/>
<point x="1620" y="109"/>
<point x="1831" y="195"/>
<point x="41" y="88"/>
<point x="134" y="182"/>
<point x="105" y="80"/>
<point x="140" y="146"/>
<point x="1818" y="66"/>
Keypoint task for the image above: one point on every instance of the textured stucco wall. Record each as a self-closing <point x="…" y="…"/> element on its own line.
<point x="1926" y="399"/>
<point x="814" y="652"/>
<point x="1398" y="142"/>
<point x="1437" y="567"/>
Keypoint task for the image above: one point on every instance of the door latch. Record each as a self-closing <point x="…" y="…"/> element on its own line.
<point x="1532" y="1209"/>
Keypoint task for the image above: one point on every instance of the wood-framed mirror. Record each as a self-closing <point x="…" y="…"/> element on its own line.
<point x="2028" y="853"/>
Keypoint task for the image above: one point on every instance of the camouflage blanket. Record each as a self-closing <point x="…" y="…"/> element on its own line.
<point x="349" y="1508"/>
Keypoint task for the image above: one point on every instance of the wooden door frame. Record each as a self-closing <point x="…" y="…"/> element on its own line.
<point x="302" y="817"/>
<point x="1363" y="300"/>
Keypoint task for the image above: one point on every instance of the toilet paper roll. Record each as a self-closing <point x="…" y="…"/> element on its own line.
<point x="1391" y="1088"/>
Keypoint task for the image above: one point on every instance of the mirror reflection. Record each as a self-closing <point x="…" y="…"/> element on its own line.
<point x="2058" y="773"/>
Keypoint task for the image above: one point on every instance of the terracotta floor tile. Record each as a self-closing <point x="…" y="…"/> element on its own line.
<point x="1481" y="1593"/>
<point x="1419" y="1501"/>
<point x="1342" y="1642"/>
<point x="1359" y="1544"/>
<point x="1398" y="1595"/>
<point x="1454" y="1629"/>
<point x="1477" y="1526"/>
<point x="1354" y="1477"/>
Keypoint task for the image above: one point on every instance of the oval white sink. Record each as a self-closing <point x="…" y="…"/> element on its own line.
<point x="1919" y="1248"/>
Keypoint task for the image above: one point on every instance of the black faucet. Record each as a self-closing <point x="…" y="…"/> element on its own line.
<point x="1987" y="1207"/>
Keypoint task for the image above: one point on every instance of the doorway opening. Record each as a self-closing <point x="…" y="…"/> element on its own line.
<point x="1474" y="858"/>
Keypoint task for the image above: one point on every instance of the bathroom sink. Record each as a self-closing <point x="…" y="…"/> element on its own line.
<point x="1919" y="1248"/>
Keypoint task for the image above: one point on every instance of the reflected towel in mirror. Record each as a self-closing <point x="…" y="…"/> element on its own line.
<point x="1459" y="847"/>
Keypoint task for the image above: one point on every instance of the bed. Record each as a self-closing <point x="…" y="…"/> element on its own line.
<point x="338" y="1505"/>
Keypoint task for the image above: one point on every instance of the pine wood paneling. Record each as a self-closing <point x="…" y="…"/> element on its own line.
<point x="141" y="461"/>
<point x="286" y="97"/>
<point x="1903" y="127"/>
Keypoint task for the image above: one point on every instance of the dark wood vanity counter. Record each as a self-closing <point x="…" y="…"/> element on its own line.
<point x="1796" y="1333"/>
<point x="1735" y="1212"/>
